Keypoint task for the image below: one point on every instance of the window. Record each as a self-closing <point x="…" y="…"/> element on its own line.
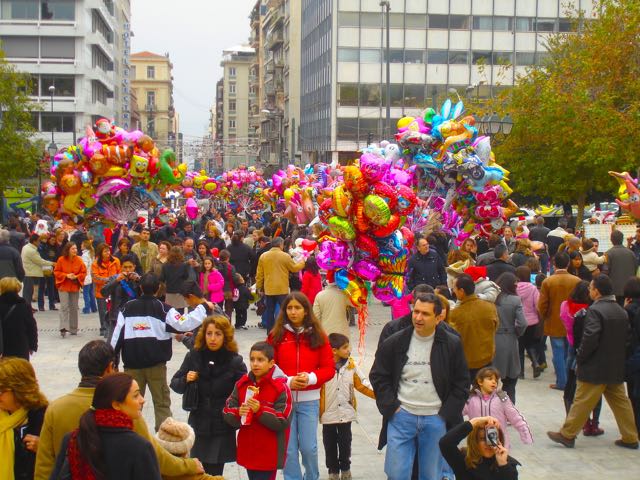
<point x="541" y="57"/>
<point x="545" y="24"/>
<point x="99" y="59"/>
<point x="31" y="88"/>
<point x="524" y="58"/>
<point x="347" y="129"/>
<point x="458" y="57"/>
<point x="525" y="24"/>
<point x="413" y="95"/>
<point x="396" y="95"/>
<point x="57" y="122"/>
<point x="396" y="20"/>
<point x="232" y="106"/>
<point x="370" y="94"/>
<point x="348" y="54"/>
<point x="20" y="47"/>
<point x="151" y="100"/>
<point x="439" y="21"/>
<point x="65" y="85"/>
<point x="482" y="22"/>
<point x="459" y="22"/>
<point x="502" y="58"/>
<point x="151" y="72"/>
<point x="99" y="25"/>
<point x="232" y="71"/>
<point x="437" y="56"/>
<point x="58" y="10"/>
<point x="132" y="69"/>
<point x="99" y="93"/>
<point x="368" y="55"/>
<point x="481" y="58"/>
<point x="413" y="56"/>
<point x="567" y="25"/>
<point x="368" y="19"/>
<point x="57" y="47"/>
<point x="232" y="124"/>
<point x="395" y="56"/>
<point x="348" y="19"/>
<point x="413" y="20"/>
<point x="348" y="94"/>
<point x="232" y="88"/>
<point x="19" y="9"/>
<point x="503" y="24"/>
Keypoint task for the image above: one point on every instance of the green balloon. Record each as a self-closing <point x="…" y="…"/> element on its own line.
<point x="429" y="113"/>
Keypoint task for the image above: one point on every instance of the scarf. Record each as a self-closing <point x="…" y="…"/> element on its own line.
<point x="106" y="418"/>
<point x="127" y="289"/>
<point x="7" y="446"/>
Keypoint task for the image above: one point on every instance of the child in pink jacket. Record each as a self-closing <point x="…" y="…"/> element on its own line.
<point x="211" y="282"/>
<point x="487" y="400"/>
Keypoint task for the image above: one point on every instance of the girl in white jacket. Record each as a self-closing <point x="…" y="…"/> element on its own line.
<point x="88" y="294"/>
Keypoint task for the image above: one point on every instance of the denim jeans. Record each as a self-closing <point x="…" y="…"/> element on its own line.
<point x="89" y="299"/>
<point x="102" y="315"/>
<point x="303" y="440"/>
<point x="559" y="348"/>
<point x="405" y="433"/>
<point x="273" y="303"/>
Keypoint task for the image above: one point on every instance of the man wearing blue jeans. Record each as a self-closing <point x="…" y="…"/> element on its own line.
<point x="421" y="381"/>
<point x="555" y="290"/>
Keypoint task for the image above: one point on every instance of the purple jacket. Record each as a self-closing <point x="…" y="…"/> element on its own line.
<point x="499" y="406"/>
<point x="529" y="295"/>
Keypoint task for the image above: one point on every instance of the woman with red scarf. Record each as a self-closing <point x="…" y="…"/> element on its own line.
<point x="105" y="445"/>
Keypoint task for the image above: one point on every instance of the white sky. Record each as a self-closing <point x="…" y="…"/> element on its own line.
<point x="194" y="32"/>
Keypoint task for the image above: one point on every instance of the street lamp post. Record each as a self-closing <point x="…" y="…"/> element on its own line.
<point x="388" y="129"/>
<point x="492" y="125"/>
<point x="52" y="149"/>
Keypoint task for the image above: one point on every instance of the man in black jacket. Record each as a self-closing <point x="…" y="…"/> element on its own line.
<point x="425" y="266"/>
<point x="421" y="380"/>
<point x="501" y="263"/>
<point x="600" y="367"/>
<point x="401" y="323"/>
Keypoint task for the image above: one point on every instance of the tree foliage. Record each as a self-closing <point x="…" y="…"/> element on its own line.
<point x="577" y="116"/>
<point x="19" y="152"/>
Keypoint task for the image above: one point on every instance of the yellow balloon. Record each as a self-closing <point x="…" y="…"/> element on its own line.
<point x="288" y="194"/>
<point x="404" y="122"/>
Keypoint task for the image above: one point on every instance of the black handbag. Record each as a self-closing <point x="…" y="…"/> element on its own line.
<point x="190" y="397"/>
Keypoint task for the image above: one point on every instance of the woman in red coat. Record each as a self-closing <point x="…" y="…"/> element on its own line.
<point x="303" y="353"/>
<point x="311" y="279"/>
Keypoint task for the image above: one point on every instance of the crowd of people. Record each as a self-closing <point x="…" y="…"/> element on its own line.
<point x="457" y="343"/>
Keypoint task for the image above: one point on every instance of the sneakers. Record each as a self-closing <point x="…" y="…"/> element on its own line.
<point x="591" y="429"/>
<point x="561" y="439"/>
<point x="346" y="475"/>
<point x="631" y="446"/>
<point x="334" y="476"/>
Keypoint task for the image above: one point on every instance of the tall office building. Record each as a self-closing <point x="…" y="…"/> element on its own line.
<point x="152" y="81"/>
<point x="77" y="46"/>
<point x="473" y="46"/>
<point x="237" y="145"/>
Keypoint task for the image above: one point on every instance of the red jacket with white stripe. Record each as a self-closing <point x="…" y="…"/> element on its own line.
<point x="262" y="441"/>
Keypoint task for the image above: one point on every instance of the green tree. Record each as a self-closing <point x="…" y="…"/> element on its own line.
<point x="577" y="116"/>
<point x="19" y="152"/>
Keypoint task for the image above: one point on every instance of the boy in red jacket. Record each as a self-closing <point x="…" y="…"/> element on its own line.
<point x="260" y="406"/>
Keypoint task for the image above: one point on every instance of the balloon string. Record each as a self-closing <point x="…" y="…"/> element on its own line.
<point x="363" y="314"/>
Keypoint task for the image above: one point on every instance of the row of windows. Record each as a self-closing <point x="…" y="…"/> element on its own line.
<point x="38" y="10"/>
<point x="53" y="122"/>
<point x="100" y="60"/>
<point x="65" y="85"/>
<point x="99" y="25"/>
<point x="457" y="22"/>
<point x="403" y="95"/>
<point x="39" y="47"/>
<point x="437" y="56"/>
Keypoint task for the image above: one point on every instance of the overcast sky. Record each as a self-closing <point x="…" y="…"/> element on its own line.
<point x="194" y="32"/>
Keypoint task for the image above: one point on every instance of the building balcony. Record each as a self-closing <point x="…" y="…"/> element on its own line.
<point x="275" y="40"/>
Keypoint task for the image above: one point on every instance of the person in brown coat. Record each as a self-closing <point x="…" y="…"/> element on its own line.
<point x="554" y="291"/>
<point x="476" y="321"/>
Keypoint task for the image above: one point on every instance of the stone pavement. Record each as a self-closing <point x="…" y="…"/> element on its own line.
<point x="593" y="458"/>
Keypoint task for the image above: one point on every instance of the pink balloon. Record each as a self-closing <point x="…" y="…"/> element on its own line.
<point x="367" y="270"/>
<point x="333" y="255"/>
<point x="191" y="207"/>
<point x="112" y="186"/>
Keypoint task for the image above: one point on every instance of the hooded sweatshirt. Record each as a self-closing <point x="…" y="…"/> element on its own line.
<point x="529" y="295"/>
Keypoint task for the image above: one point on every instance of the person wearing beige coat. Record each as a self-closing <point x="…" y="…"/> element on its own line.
<point x="330" y="308"/>
<point x="33" y="264"/>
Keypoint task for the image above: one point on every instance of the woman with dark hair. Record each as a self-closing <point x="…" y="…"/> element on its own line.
<point x="215" y="366"/>
<point x="105" y="268"/>
<point x="124" y="249"/>
<point x="303" y="352"/>
<point x="211" y="236"/>
<point x="22" y="408"/>
<point x="105" y="445"/>
<point x="227" y="271"/>
<point x="512" y="325"/>
<point x="572" y="313"/>
<point x="69" y="273"/>
<point x="164" y="247"/>
<point x="311" y="279"/>
<point x="577" y="267"/>
<point x="19" y="330"/>
<point x="530" y="339"/>
<point x="48" y="251"/>
<point x="203" y="252"/>
<point x="242" y="256"/>
<point x="481" y="459"/>
<point x="174" y="273"/>
<point x="632" y="306"/>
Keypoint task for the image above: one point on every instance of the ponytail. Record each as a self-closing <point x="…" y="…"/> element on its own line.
<point x="90" y="445"/>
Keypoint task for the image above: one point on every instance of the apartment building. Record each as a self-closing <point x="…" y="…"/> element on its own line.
<point x="78" y="47"/>
<point x="473" y="46"/>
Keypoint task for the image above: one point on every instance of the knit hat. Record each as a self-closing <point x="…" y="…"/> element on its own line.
<point x="476" y="272"/>
<point x="175" y="437"/>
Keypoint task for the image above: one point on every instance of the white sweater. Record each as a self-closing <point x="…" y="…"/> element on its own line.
<point x="417" y="393"/>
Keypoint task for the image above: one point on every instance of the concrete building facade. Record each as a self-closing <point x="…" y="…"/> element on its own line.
<point x="77" y="46"/>
<point x="473" y="46"/>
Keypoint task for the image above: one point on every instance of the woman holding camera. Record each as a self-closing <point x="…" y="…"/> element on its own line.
<point x="485" y="456"/>
<point x="104" y="269"/>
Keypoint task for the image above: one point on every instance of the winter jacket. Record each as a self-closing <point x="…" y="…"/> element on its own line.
<point x="337" y="396"/>
<point x="498" y="267"/>
<point x="632" y="365"/>
<point x="555" y="290"/>
<point x="19" y="328"/>
<point x="622" y="266"/>
<point x="428" y="269"/>
<point x="10" y="262"/>
<point x="487" y="290"/>
<point x="330" y="308"/>
<point x="529" y="295"/>
<point x="25" y="460"/>
<point x="244" y="296"/>
<point x="145" y="260"/>
<point x="174" y="275"/>
<point x="476" y="321"/>
<point x="311" y="285"/>
<point x="555" y="238"/>
<point x="215" y="284"/>
<point x="448" y="369"/>
<point x="294" y="354"/>
<point x="242" y="258"/>
<point x="272" y="274"/>
<point x="143" y="332"/>
<point x="487" y="469"/>
<point x="602" y="353"/>
<point x="218" y="373"/>
<point x="591" y="259"/>
<point x="539" y="233"/>
<point x="64" y="266"/>
<point x="87" y="259"/>
<point x="119" y="296"/>
<point x="512" y="325"/>
<point x="568" y="309"/>
<point x="33" y="262"/>
<point x="500" y="407"/>
<point x="268" y="427"/>
<point x="104" y="273"/>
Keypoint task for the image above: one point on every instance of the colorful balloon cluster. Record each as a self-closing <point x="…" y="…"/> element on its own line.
<point x="628" y="193"/>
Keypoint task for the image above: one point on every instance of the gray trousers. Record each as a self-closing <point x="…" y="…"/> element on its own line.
<point x="69" y="311"/>
<point x="27" y="288"/>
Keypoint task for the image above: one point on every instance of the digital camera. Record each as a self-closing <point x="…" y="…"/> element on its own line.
<point x="491" y="436"/>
